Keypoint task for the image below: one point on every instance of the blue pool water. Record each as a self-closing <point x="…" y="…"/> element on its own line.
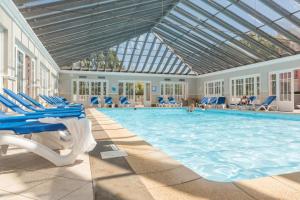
<point x="220" y="145"/>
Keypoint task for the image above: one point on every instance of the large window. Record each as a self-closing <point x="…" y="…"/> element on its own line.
<point x="44" y="80"/>
<point x="20" y="70"/>
<point x="245" y="86"/>
<point x="136" y="91"/>
<point x="173" y="89"/>
<point x="285" y="81"/>
<point x="273" y="84"/>
<point x="214" y="88"/>
<point x="82" y="89"/>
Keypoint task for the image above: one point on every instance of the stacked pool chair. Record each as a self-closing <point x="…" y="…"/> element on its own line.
<point x="172" y="101"/>
<point x="203" y="102"/>
<point x="221" y="103"/>
<point x="108" y="101"/>
<point x="58" y="101"/>
<point x="161" y="102"/>
<point x="66" y="127"/>
<point x="94" y="101"/>
<point x="124" y="101"/>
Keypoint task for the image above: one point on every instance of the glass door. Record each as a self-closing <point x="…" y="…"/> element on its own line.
<point x="139" y="93"/>
<point x="147" y="99"/>
<point x="129" y="91"/>
<point x="280" y="84"/>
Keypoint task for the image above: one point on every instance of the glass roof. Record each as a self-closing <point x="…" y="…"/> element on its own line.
<point x="170" y="36"/>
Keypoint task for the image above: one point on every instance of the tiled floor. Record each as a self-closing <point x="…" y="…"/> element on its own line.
<point x="25" y="176"/>
<point x="145" y="174"/>
<point x="150" y="173"/>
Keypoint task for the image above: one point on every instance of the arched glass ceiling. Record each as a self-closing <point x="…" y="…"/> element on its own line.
<point x="142" y="54"/>
<point x="223" y="34"/>
<point x="205" y="35"/>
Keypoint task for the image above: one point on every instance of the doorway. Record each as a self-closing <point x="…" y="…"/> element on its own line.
<point x="138" y="92"/>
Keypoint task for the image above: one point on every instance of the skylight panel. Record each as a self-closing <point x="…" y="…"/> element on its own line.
<point x="287" y="25"/>
<point x="213" y="34"/>
<point x="289" y="5"/>
<point x="246" y="16"/>
<point x="205" y="6"/>
<point x="263" y="9"/>
<point x="220" y="28"/>
<point x="232" y="22"/>
<point x="224" y="3"/>
<point x="192" y="12"/>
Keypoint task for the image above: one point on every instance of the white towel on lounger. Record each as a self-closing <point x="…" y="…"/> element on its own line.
<point x="80" y="130"/>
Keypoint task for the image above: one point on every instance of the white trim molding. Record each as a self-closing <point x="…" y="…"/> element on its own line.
<point x="253" y="66"/>
<point x="97" y="73"/>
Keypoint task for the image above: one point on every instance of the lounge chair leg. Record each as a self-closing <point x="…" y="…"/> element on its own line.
<point x="39" y="149"/>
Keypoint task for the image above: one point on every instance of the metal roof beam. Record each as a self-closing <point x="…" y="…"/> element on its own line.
<point x="101" y="22"/>
<point x="161" y="59"/>
<point x="142" y="51"/>
<point x="168" y="62"/>
<point x="227" y="49"/>
<point x="232" y="29"/>
<point x="155" y="57"/>
<point x="94" y="31"/>
<point x="220" y="33"/>
<point x="189" y="44"/>
<point x="133" y="53"/>
<point x="148" y="56"/>
<point x="94" y="16"/>
<point x="98" y="40"/>
<point x="264" y="19"/>
<point x="250" y="26"/>
<point x="189" y="55"/>
<point x="111" y="41"/>
<point x="215" y="51"/>
<point x="283" y="12"/>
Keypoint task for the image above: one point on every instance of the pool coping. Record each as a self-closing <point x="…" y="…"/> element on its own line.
<point x="152" y="174"/>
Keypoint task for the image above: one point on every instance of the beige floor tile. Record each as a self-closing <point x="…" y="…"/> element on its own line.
<point x="21" y="180"/>
<point x="84" y="193"/>
<point x="268" y="188"/>
<point x="292" y="180"/>
<point x="151" y="162"/>
<point x="79" y="171"/>
<point x="10" y="196"/>
<point x="123" y="188"/>
<point x="54" y="189"/>
<point x="200" y="189"/>
<point x="168" y="177"/>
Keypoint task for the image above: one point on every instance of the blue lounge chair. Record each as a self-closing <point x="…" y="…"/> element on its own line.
<point x="203" y="102"/>
<point x="251" y="102"/>
<point x="161" y="102"/>
<point x="221" y="101"/>
<point x="29" y="106"/>
<point x="212" y="101"/>
<point x="124" y="101"/>
<point x="108" y="101"/>
<point x="58" y="103"/>
<point x="30" y="99"/>
<point x="35" y="127"/>
<point x="94" y="101"/>
<point x="172" y="101"/>
<point x="14" y="107"/>
<point x="266" y="105"/>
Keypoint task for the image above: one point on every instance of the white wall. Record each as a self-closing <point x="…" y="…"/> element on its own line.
<point x="65" y="81"/>
<point x="263" y="69"/>
<point x="16" y="33"/>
